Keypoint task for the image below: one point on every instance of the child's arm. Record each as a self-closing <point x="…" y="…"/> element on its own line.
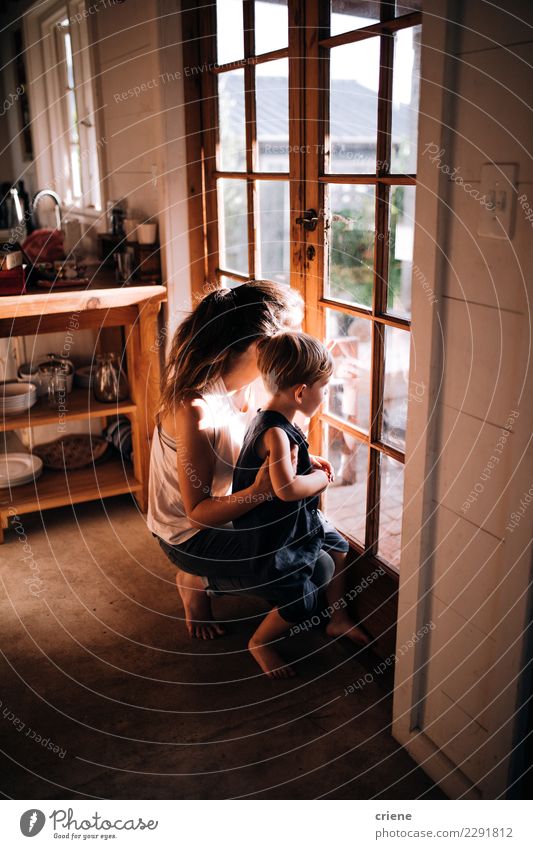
<point x="287" y="485"/>
<point x="321" y="463"/>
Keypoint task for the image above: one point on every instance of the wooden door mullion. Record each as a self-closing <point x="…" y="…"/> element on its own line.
<point x="210" y="123"/>
<point x="374" y="478"/>
<point x="379" y="295"/>
<point x="313" y="251"/>
<point x="251" y="130"/>
<point x="389" y="26"/>
<point x="194" y="142"/>
<point x="297" y="132"/>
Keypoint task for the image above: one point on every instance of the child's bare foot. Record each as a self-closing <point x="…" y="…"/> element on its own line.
<point x="197" y="605"/>
<point x="270" y="661"/>
<point x="341" y="625"/>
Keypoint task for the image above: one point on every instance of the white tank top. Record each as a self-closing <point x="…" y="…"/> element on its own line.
<point x="166" y="514"/>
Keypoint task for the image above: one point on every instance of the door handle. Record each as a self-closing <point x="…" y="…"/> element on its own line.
<point x="308" y="220"/>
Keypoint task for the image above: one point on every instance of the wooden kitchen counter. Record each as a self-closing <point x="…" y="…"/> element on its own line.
<point x="101" y="305"/>
<point x="96" y="296"/>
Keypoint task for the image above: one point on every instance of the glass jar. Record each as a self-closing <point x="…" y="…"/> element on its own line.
<point x="58" y="369"/>
<point x="110" y="381"/>
<point x="57" y="386"/>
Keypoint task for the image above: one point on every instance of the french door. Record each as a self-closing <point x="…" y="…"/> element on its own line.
<point x="301" y="136"/>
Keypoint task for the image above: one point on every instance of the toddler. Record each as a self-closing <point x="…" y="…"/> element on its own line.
<point x="285" y="537"/>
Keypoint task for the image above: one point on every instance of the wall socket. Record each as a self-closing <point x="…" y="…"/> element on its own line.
<point x="498" y="186"/>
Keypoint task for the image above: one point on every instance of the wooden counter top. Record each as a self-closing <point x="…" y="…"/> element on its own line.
<point x="43" y="302"/>
<point x="101" y="305"/>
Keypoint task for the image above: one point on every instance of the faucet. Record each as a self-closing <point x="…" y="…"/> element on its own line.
<point x="57" y="200"/>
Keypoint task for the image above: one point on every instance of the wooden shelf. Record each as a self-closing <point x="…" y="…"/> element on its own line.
<point x="57" y="488"/>
<point x="80" y="404"/>
<point x="41" y="303"/>
<point x="102" y="305"/>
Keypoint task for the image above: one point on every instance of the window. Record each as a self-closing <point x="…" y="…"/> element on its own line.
<point x="71" y="131"/>
<point x="309" y="130"/>
<point x="67" y="148"/>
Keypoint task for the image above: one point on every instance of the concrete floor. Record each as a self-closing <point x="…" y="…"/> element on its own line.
<point x="103" y="696"/>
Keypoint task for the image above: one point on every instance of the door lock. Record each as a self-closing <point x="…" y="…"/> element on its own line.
<point x="308" y="220"/>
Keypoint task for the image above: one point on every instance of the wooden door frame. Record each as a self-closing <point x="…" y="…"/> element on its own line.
<point x="421" y="439"/>
<point x="308" y="247"/>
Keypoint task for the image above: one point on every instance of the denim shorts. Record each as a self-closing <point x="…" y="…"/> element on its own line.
<point x="216" y="555"/>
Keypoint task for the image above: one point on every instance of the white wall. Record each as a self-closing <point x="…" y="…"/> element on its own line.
<point x="463" y="568"/>
<point x="125" y="56"/>
<point x="13" y="164"/>
<point x="139" y="73"/>
<point x="141" y="142"/>
<point x="174" y="222"/>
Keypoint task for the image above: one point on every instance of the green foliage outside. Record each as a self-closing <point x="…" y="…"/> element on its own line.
<point x="352" y="250"/>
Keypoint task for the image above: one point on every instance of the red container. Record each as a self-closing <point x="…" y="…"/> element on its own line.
<point x="13" y="282"/>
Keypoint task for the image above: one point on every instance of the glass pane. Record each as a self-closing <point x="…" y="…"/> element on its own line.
<point x="228" y="282"/>
<point x="68" y="59"/>
<point x="390" y="510"/>
<point x="351" y="246"/>
<point x="395" y="387"/>
<point x="232" y="127"/>
<point x="405" y="94"/>
<point x="76" y="170"/>
<point x="230" y="39"/>
<point x="271" y="25"/>
<point x="72" y="116"/>
<point x="233" y="225"/>
<point x="273" y="232"/>
<point x="272" y="115"/>
<point x="352" y="14"/>
<point x="403" y="7"/>
<point x="401" y="236"/>
<point x="345" y="498"/>
<point x="349" y="340"/>
<point x="353" y="107"/>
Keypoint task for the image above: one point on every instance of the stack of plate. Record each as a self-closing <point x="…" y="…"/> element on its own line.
<point x="18" y="468"/>
<point x="17" y="397"/>
<point x="84" y="376"/>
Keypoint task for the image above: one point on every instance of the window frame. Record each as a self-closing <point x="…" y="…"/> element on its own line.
<point x="316" y="51"/>
<point x="47" y="104"/>
<point x="200" y="53"/>
<point x="308" y="123"/>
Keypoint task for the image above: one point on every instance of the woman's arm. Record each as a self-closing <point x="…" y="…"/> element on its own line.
<point x="287" y="485"/>
<point x="196" y="463"/>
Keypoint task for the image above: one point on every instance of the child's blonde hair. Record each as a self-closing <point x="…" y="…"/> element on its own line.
<point x="289" y="358"/>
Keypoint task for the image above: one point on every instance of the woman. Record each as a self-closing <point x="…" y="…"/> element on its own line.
<point x="206" y="404"/>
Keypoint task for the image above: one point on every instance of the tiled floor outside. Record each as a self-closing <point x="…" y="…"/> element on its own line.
<point x="346" y="502"/>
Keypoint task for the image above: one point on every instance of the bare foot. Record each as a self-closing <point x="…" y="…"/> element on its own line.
<point x="197" y="605"/>
<point x="270" y="661"/>
<point x="342" y="626"/>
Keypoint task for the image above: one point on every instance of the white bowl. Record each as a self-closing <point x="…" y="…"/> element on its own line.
<point x="17" y="397"/>
<point x="14" y="389"/>
<point x="29" y="373"/>
<point x="19" y="468"/>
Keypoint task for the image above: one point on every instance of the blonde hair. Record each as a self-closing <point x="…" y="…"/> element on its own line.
<point x="224" y="323"/>
<point x="287" y="359"/>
